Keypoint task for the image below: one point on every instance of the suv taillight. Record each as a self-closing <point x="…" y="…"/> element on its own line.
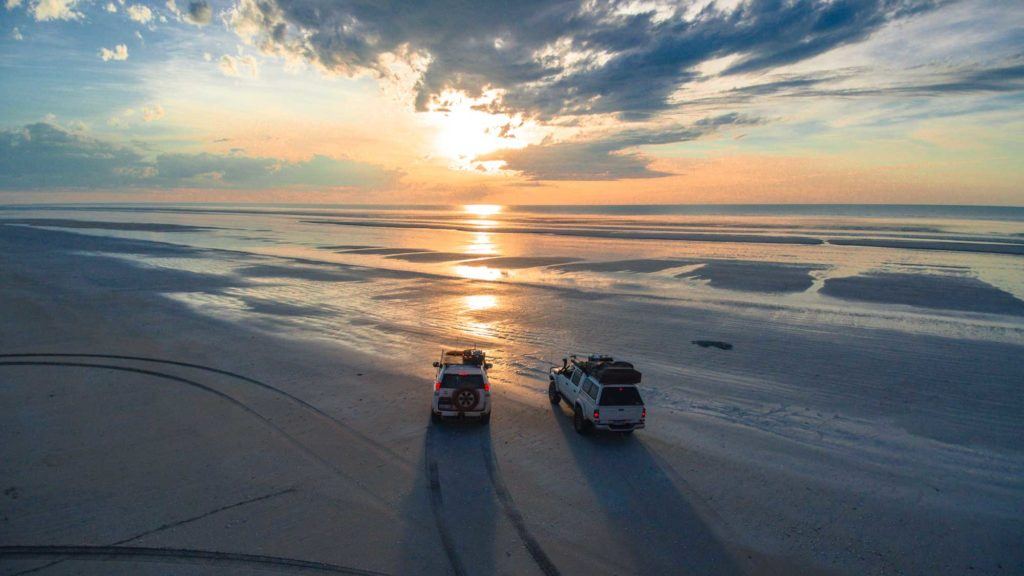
<point x="597" y="414"/>
<point x="644" y="413"/>
<point x="437" y="386"/>
<point x="487" y="386"/>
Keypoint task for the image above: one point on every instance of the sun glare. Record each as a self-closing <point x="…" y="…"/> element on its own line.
<point x="478" y="272"/>
<point x="465" y="132"/>
<point x="481" y="301"/>
<point x="482" y="209"/>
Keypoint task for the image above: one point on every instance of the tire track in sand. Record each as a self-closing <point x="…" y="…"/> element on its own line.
<point x="504" y="497"/>
<point x="226" y="397"/>
<point x="179" y="555"/>
<point x="299" y="401"/>
<point x="437" y="508"/>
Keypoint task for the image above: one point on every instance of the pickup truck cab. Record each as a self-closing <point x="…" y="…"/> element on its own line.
<point x="601" y="391"/>
<point x="461" y="388"/>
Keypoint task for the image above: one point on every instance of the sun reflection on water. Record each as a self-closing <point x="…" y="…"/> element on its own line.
<point x="482" y="244"/>
<point x="480" y="301"/>
<point x="476" y="316"/>
<point x="479" y="272"/>
<point x="479" y="223"/>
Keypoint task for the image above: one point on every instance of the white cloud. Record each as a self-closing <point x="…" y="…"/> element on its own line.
<point x="12" y="4"/>
<point x="53" y="9"/>
<point x="123" y="118"/>
<point x="120" y="52"/>
<point x="207" y="56"/>
<point x="139" y="13"/>
<point x="132" y="116"/>
<point x="152" y="113"/>
<point x="16" y="34"/>
<point x="173" y="7"/>
<point x="111" y="7"/>
<point x="238" y="66"/>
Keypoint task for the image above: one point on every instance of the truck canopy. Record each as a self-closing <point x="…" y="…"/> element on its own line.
<point x="617" y="373"/>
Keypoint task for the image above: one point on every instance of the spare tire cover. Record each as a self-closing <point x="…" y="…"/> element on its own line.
<point x="465" y="399"/>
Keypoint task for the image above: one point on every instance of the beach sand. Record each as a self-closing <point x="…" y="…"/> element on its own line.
<point x="141" y="437"/>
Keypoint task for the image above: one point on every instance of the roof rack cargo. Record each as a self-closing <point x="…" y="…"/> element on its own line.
<point x="607" y="370"/>
<point x="470" y="356"/>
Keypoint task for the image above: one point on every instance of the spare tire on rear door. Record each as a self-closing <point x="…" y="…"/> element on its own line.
<point x="465" y="399"/>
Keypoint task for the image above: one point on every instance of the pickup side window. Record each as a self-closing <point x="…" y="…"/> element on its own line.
<point x="576" y="377"/>
<point x="591" y="389"/>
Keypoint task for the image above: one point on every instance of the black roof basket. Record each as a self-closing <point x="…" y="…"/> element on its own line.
<point x="470" y="356"/>
<point x="616" y="373"/>
<point x="608" y="370"/>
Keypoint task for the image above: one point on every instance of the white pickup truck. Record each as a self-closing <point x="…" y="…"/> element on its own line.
<point x="601" y="391"/>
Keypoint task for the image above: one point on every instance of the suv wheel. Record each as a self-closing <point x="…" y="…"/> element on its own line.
<point x="434" y="416"/>
<point x="579" y="423"/>
<point x="485" y="419"/>
<point x="553" y="394"/>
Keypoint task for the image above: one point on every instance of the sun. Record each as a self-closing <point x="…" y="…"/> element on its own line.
<point x="466" y="132"/>
<point x="482" y="209"/>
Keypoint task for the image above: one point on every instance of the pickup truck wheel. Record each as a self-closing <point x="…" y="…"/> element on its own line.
<point x="485" y="419"/>
<point x="579" y="422"/>
<point x="553" y="394"/>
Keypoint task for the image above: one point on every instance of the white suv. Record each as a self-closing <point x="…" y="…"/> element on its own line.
<point x="461" y="387"/>
<point x="601" y="391"/>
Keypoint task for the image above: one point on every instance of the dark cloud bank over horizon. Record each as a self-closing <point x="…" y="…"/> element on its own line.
<point x="48" y="156"/>
<point x="608" y="158"/>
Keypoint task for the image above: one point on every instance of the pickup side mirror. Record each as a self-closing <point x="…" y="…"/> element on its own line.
<point x="488" y="366"/>
<point x="437" y="364"/>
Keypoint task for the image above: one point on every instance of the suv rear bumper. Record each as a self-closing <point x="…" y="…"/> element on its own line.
<point x="618" y="427"/>
<point x="455" y="414"/>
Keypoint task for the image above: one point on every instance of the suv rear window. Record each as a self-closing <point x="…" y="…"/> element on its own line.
<point x="621" y="396"/>
<point x="455" y="380"/>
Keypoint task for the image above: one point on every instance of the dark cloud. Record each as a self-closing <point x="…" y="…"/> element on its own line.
<point x="46" y="156"/>
<point x="199" y="12"/>
<point x="1004" y="77"/>
<point x="556" y="57"/>
<point x="42" y="155"/>
<point x="608" y="158"/>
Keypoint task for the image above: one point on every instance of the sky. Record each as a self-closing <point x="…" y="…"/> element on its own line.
<point x="529" y="102"/>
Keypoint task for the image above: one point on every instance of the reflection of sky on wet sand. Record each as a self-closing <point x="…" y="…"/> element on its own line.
<point x="480" y="273"/>
<point x="482" y="243"/>
<point x="472" y="279"/>
<point x="471" y="324"/>
<point x="522" y="298"/>
<point x="480" y="301"/>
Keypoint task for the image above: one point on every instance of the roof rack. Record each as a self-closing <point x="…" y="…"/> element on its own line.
<point x="607" y="370"/>
<point x="471" y="356"/>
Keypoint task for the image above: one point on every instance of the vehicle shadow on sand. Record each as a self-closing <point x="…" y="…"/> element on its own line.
<point x="664" y="532"/>
<point x="456" y="484"/>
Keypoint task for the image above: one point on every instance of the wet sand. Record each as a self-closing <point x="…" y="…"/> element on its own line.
<point x="142" y="437"/>
<point x="933" y="291"/>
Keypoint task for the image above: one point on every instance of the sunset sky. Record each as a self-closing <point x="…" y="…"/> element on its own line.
<point x="847" y="101"/>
